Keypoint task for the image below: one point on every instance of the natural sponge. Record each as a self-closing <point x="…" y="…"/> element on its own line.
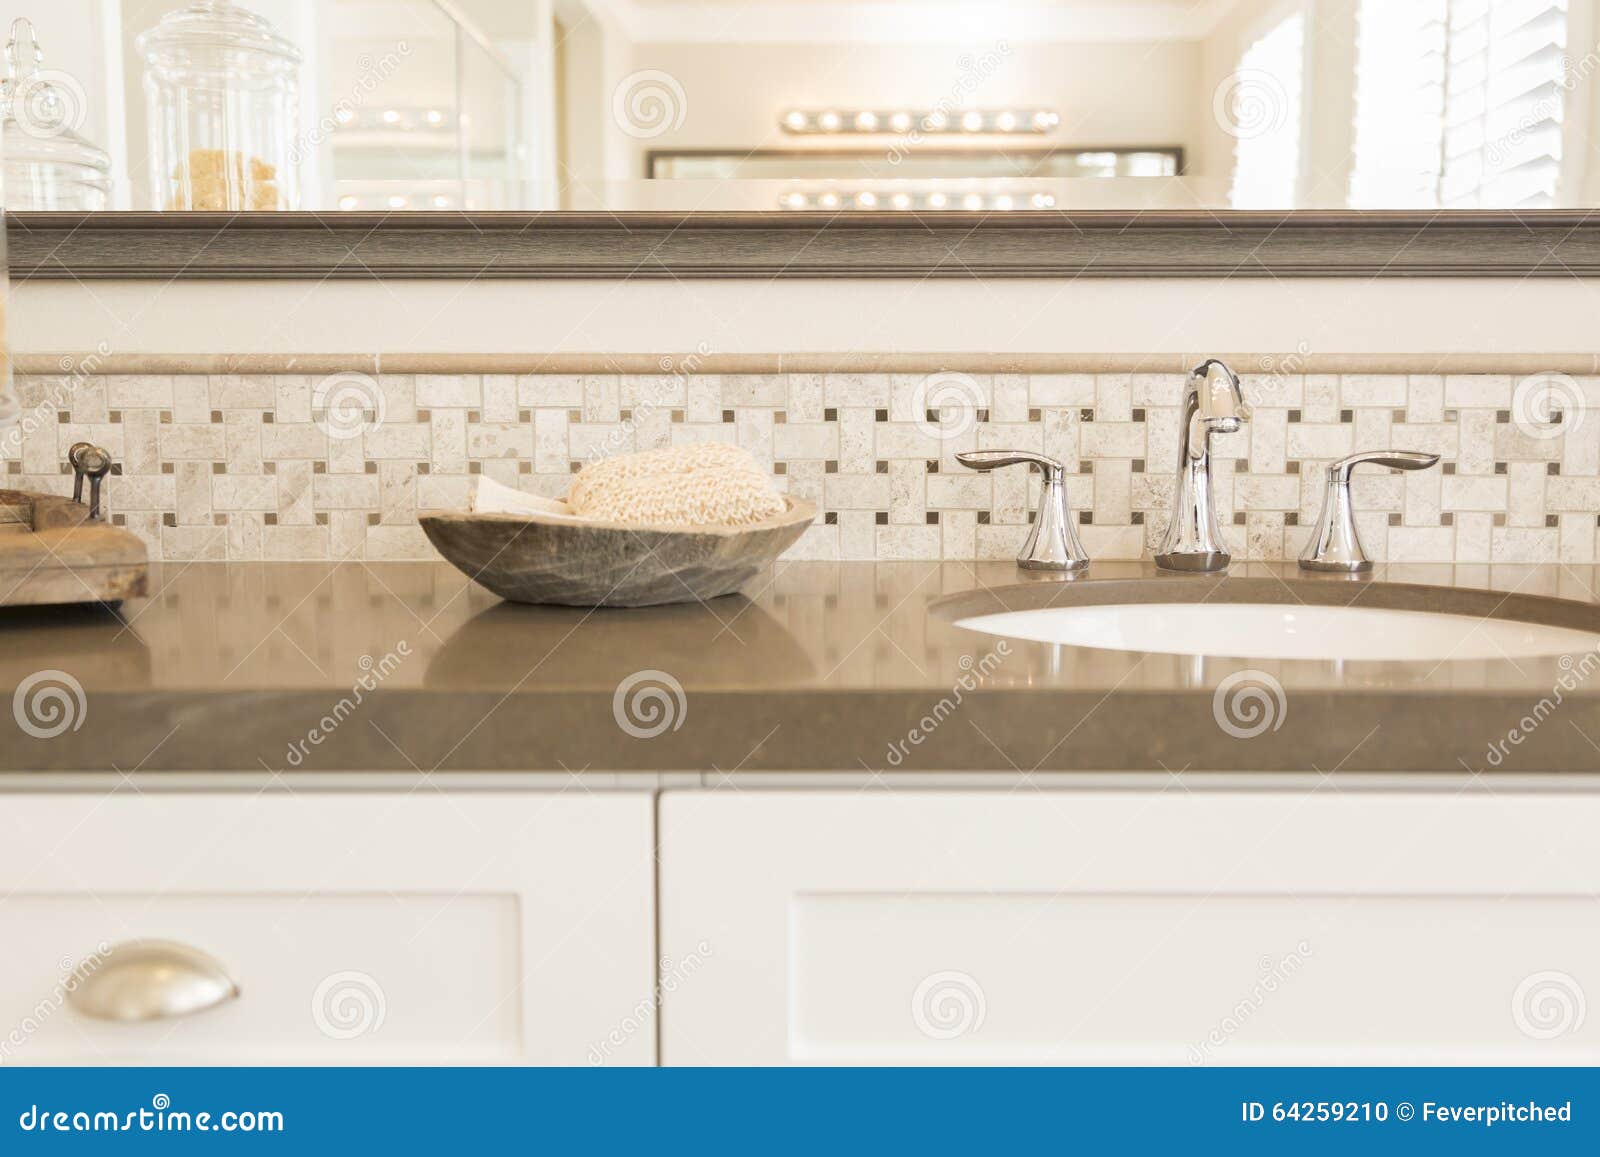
<point x="706" y="484"/>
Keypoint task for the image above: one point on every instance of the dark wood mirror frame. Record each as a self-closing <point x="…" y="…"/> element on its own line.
<point x="164" y="246"/>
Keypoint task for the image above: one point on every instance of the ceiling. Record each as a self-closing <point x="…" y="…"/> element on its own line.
<point x="913" y="21"/>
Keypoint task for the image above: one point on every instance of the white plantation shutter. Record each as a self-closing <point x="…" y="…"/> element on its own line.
<point x="1459" y="103"/>
<point x="1504" y="99"/>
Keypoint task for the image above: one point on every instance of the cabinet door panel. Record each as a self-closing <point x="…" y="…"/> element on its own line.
<point x="1065" y="927"/>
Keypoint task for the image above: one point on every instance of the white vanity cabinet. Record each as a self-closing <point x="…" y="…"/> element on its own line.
<point x="403" y="927"/>
<point x="1312" y="926"/>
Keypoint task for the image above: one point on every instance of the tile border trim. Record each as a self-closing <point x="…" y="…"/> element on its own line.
<point x="47" y="364"/>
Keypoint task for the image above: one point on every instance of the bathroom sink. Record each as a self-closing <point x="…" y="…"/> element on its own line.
<point x="1284" y="631"/>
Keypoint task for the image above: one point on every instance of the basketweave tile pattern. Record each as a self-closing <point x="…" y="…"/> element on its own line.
<point x="289" y="467"/>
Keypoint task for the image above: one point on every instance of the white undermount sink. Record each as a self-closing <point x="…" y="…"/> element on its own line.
<point x="1269" y="631"/>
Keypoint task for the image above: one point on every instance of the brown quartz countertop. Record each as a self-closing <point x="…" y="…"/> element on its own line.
<point x="818" y="667"/>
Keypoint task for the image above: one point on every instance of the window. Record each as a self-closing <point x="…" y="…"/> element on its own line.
<point x="1259" y="106"/>
<point x="1459" y="103"/>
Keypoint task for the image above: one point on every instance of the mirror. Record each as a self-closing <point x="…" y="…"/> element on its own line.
<point x="784" y="105"/>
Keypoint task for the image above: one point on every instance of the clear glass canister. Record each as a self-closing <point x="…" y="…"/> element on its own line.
<point x="47" y="164"/>
<point x="222" y="91"/>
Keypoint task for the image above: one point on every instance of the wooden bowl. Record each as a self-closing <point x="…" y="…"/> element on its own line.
<point x="531" y="558"/>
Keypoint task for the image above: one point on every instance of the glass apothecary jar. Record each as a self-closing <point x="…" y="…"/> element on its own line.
<point x="47" y="164"/>
<point x="222" y="91"/>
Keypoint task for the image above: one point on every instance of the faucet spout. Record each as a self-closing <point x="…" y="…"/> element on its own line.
<point x="1212" y="404"/>
<point x="1217" y="396"/>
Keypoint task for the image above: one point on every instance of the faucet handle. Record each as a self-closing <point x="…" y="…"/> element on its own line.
<point x="1053" y="542"/>
<point x="1398" y="459"/>
<point x="1335" y="546"/>
<point x="994" y="459"/>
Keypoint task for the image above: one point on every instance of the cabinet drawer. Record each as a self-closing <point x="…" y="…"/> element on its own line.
<point x="1122" y="927"/>
<point x="359" y="928"/>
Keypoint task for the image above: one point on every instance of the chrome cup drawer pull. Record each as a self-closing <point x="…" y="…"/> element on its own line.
<point x="150" y="980"/>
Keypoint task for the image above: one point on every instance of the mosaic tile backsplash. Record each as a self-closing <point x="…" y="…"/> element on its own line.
<point x="293" y="467"/>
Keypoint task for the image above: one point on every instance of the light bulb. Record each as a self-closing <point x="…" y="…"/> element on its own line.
<point x="829" y="200"/>
<point x="795" y="121"/>
<point x="434" y="116"/>
<point x="937" y="200"/>
<point x="348" y="202"/>
<point x="900" y="201"/>
<point x="396" y="202"/>
<point x="972" y="121"/>
<point x="867" y="200"/>
<point x="1045" y="119"/>
<point x="1043" y="200"/>
<point x="829" y="122"/>
<point x="795" y="200"/>
<point x="1006" y="122"/>
<point x="391" y="116"/>
<point x="900" y="122"/>
<point x="935" y="121"/>
<point x="1003" y="202"/>
<point x="867" y="122"/>
<point x="440" y="201"/>
<point x="972" y="201"/>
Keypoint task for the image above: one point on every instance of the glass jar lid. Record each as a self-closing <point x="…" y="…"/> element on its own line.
<point x="215" y="24"/>
<point x="41" y="109"/>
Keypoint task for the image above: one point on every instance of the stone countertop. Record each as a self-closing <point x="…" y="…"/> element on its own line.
<point x="818" y="667"/>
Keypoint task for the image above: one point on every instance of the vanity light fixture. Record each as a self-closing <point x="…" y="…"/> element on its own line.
<point x="904" y="200"/>
<point x="1002" y="121"/>
<point x="393" y="119"/>
<point x="352" y="202"/>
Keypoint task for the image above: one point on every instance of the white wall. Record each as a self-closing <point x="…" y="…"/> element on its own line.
<point x="1086" y="315"/>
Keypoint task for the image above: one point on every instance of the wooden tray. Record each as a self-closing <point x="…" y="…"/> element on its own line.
<point x="51" y="551"/>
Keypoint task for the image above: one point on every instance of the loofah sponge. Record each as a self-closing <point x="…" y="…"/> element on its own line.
<point x="706" y="484"/>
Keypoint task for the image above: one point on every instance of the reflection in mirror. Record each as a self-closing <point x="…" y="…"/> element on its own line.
<point x="830" y="105"/>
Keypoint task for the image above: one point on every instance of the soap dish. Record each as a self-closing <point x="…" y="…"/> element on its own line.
<point x="534" y="558"/>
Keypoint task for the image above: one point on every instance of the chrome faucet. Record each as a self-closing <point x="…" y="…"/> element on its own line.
<point x="1212" y="404"/>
